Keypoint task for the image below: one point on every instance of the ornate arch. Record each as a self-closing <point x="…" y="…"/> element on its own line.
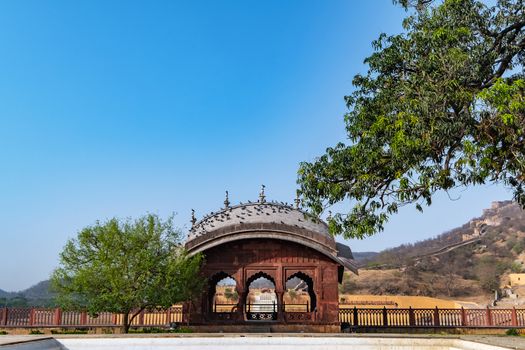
<point x="252" y="278"/>
<point x="258" y="275"/>
<point x="212" y="285"/>
<point x="310" y="283"/>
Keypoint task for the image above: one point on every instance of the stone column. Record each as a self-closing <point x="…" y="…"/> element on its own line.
<point x="243" y="294"/>
<point x="242" y="290"/>
<point x="280" y="306"/>
<point x="279" y="291"/>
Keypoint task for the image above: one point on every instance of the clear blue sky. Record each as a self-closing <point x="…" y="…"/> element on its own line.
<point x="118" y="108"/>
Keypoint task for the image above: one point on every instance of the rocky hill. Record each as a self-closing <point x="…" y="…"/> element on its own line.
<point x="364" y="256"/>
<point x="473" y="259"/>
<point x="36" y="295"/>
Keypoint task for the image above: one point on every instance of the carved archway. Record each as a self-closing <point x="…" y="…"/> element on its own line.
<point x="310" y="284"/>
<point x="258" y="275"/>
<point x="212" y="291"/>
<point x="261" y="303"/>
<point x="254" y="277"/>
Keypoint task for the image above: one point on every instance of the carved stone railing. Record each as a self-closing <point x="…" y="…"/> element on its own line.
<point x="299" y="317"/>
<point x="349" y="317"/>
<point x="18" y="317"/>
<point x="436" y="317"/>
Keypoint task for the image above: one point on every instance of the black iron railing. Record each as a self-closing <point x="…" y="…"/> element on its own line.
<point x="217" y="307"/>
<point x="261" y="311"/>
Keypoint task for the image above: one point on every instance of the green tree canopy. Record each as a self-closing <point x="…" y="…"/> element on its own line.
<point x="441" y="106"/>
<point x="231" y="294"/>
<point x="126" y="267"/>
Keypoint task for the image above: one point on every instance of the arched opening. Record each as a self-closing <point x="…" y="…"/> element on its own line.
<point x="261" y="300"/>
<point x="299" y="295"/>
<point x="223" y="293"/>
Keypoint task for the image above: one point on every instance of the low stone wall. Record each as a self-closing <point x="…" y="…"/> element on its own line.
<point x="267" y="328"/>
<point x="277" y="328"/>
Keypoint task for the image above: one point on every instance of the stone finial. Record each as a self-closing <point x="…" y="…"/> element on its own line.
<point x="297" y="201"/>
<point x="193" y="219"/>
<point x="262" y="196"/>
<point x="226" y="201"/>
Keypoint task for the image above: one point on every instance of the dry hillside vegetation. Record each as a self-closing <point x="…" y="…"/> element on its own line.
<point x="470" y="260"/>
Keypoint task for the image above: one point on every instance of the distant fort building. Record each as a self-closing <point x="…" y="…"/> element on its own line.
<point x="498" y="213"/>
<point x="268" y="264"/>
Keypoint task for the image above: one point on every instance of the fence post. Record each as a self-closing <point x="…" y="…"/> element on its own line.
<point x="385" y="317"/>
<point x="489" y="317"/>
<point x="83" y="318"/>
<point x="58" y="316"/>
<point x="514" y="317"/>
<point x="168" y="315"/>
<point x="356" y="317"/>
<point x="463" y="317"/>
<point x="4" y="316"/>
<point x="436" y="317"/>
<point x="31" y="316"/>
<point x="411" y="317"/>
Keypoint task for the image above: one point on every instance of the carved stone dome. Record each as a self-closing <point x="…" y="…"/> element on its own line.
<point x="267" y="220"/>
<point x="255" y="213"/>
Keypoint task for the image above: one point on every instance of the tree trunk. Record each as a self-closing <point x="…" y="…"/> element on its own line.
<point x="129" y="321"/>
<point x="190" y="307"/>
<point x="126" y="322"/>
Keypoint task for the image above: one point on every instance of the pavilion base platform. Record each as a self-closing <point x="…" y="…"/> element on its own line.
<point x="266" y="327"/>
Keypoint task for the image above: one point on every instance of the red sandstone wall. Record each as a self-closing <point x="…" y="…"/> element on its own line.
<point x="279" y="260"/>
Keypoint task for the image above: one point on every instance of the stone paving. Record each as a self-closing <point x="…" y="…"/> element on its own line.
<point x="509" y="342"/>
<point x="13" y="339"/>
<point x="517" y="343"/>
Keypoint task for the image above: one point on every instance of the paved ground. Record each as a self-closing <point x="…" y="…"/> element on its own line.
<point x="503" y="341"/>
<point x="12" y="339"/>
<point x="509" y="342"/>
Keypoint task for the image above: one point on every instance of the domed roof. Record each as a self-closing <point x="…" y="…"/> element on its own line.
<point x="269" y="212"/>
<point x="267" y="220"/>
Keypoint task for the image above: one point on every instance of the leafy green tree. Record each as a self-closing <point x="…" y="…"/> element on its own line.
<point x="231" y="294"/>
<point x="15" y="301"/>
<point x="127" y="267"/>
<point x="292" y="293"/>
<point x="442" y="106"/>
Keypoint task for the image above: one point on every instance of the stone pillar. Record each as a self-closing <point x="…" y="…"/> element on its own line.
<point x="242" y="291"/>
<point x="280" y="286"/>
<point x="243" y="294"/>
<point x="280" y="306"/>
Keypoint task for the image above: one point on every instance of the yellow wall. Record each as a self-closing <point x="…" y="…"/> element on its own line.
<point x="379" y="301"/>
<point x="517" y="279"/>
